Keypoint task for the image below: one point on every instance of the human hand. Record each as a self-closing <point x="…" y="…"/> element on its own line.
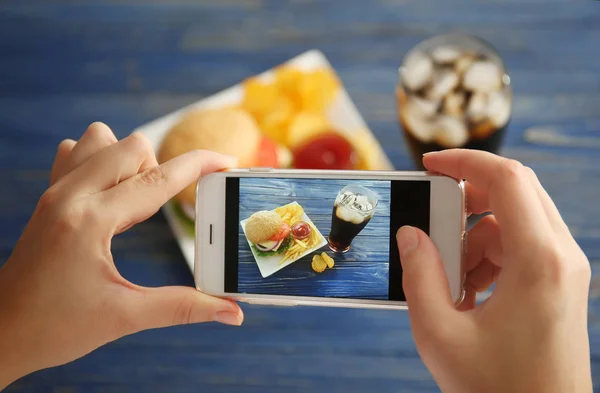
<point x="61" y="295"/>
<point x="531" y="334"/>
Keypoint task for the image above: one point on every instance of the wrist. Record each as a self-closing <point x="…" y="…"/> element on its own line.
<point x="13" y="360"/>
<point x="9" y="364"/>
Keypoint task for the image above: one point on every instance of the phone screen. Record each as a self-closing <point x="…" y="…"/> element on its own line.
<point x="329" y="238"/>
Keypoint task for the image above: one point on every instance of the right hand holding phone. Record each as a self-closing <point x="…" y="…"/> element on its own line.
<point x="531" y="334"/>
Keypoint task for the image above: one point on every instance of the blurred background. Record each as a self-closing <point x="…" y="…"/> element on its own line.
<point x="65" y="64"/>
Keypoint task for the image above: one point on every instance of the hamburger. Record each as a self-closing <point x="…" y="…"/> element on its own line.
<point x="228" y="131"/>
<point x="268" y="233"/>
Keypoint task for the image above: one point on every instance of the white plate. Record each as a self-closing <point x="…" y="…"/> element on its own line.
<point x="342" y="113"/>
<point x="269" y="265"/>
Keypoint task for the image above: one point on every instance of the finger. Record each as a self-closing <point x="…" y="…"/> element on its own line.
<point x="141" y="196"/>
<point x="150" y="308"/>
<point x="483" y="276"/>
<point x="61" y="159"/>
<point x="112" y="165"/>
<point x="483" y="243"/>
<point x="97" y="136"/>
<point x="424" y="280"/>
<point x="512" y="198"/>
<point x="554" y="215"/>
<point x="477" y="199"/>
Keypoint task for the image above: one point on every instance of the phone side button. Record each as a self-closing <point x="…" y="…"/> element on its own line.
<point x="261" y="169"/>
<point x="268" y="302"/>
<point x="465" y="242"/>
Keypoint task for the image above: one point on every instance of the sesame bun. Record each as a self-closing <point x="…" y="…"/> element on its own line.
<point x="228" y="131"/>
<point x="262" y="225"/>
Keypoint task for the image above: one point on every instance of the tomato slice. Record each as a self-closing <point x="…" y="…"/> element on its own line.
<point x="326" y="151"/>
<point x="283" y="232"/>
<point x="267" y="154"/>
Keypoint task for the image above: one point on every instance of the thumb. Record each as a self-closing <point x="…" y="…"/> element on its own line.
<point x="160" y="307"/>
<point x="424" y="280"/>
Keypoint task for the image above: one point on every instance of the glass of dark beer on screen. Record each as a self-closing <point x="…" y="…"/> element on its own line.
<point x="453" y="91"/>
<point x="352" y="210"/>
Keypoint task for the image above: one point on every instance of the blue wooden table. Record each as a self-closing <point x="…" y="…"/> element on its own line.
<point x="361" y="272"/>
<point x="65" y="64"/>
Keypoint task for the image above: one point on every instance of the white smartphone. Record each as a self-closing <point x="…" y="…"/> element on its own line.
<point x="321" y="238"/>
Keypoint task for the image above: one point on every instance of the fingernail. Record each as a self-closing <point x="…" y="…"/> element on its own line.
<point x="430" y="153"/>
<point x="408" y="240"/>
<point x="228" y="318"/>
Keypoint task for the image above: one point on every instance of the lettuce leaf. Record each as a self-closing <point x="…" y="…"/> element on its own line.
<point x="284" y="246"/>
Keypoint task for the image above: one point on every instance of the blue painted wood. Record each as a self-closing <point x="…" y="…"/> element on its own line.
<point x="125" y="62"/>
<point x="361" y="272"/>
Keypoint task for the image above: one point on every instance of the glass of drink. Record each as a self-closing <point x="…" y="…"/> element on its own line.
<point x="352" y="210"/>
<point x="453" y="91"/>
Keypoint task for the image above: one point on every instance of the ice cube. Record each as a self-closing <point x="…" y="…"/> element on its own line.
<point x="498" y="109"/>
<point x="477" y="107"/>
<point x="452" y="132"/>
<point x="418" y="126"/>
<point x="362" y="200"/>
<point x="347" y="198"/>
<point x="445" y="54"/>
<point x="417" y="71"/>
<point x="462" y="64"/>
<point x="443" y="83"/>
<point x="424" y="107"/>
<point x="483" y="76"/>
<point x="453" y="103"/>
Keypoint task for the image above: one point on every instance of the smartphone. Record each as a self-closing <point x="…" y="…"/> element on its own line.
<point x="321" y="238"/>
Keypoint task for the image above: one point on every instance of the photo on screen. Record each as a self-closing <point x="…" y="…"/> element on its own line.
<point x="318" y="237"/>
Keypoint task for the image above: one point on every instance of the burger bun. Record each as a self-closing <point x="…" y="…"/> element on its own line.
<point x="262" y="225"/>
<point x="229" y="131"/>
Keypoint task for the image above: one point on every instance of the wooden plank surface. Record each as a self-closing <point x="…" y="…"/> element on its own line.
<point x="64" y="64"/>
<point x="361" y="272"/>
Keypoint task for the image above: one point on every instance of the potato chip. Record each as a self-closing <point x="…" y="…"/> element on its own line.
<point x="317" y="89"/>
<point x="328" y="260"/>
<point x="275" y="123"/>
<point x="290" y="213"/>
<point x="259" y="96"/>
<point x="287" y="78"/>
<point x="304" y="126"/>
<point x="318" y="264"/>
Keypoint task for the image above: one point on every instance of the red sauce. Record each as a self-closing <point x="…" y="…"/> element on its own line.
<point x="301" y="230"/>
<point x="326" y="151"/>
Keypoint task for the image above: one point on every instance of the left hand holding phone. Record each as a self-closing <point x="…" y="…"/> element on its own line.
<point x="61" y="295"/>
